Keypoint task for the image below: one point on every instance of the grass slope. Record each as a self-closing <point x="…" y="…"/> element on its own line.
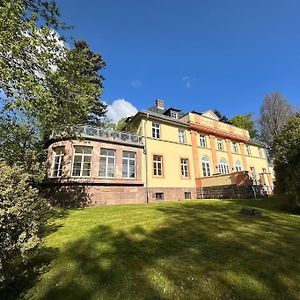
<point x="184" y="250"/>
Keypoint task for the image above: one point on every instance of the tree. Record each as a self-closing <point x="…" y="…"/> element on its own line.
<point x="45" y="87"/>
<point x="221" y="117"/>
<point x="274" y="113"/>
<point x="20" y="145"/>
<point x="121" y="124"/>
<point x="41" y="78"/>
<point x="246" y="122"/>
<point x="286" y="153"/>
<point x="74" y="91"/>
<point x="22" y="214"/>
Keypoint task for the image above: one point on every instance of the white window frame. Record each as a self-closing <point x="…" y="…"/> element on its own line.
<point x="82" y="162"/>
<point x="205" y="166"/>
<point x="174" y="114"/>
<point x="235" y="147"/>
<point x="223" y="166"/>
<point x="106" y="156"/>
<point x="128" y="160"/>
<point x="156" y="130"/>
<point x="260" y="152"/>
<point x="238" y="166"/>
<point x="219" y="145"/>
<point x="248" y="150"/>
<point x="184" y="165"/>
<point x="157" y="165"/>
<point x="181" y="135"/>
<point x="58" y="159"/>
<point x="202" y="139"/>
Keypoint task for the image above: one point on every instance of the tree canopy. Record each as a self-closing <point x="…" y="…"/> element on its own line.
<point x="246" y="122"/>
<point x="42" y="79"/>
<point x="222" y="118"/>
<point x="45" y="86"/>
<point x="286" y="153"/>
<point x="274" y="113"/>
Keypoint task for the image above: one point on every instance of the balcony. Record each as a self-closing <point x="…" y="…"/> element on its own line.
<point x="111" y="135"/>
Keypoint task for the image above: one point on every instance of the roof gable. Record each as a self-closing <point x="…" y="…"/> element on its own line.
<point x="210" y="114"/>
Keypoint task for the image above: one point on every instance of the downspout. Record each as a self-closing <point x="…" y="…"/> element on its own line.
<point x="146" y="159"/>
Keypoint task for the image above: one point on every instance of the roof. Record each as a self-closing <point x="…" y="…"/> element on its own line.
<point x="256" y="143"/>
<point x="156" y="116"/>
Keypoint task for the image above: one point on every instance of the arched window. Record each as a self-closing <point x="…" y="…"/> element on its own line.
<point x="238" y="166"/>
<point x="223" y="166"/>
<point x="205" y="166"/>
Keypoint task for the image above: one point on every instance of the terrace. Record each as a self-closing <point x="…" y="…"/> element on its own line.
<point x="111" y="135"/>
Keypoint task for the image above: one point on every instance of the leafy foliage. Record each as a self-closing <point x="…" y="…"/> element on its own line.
<point x="274" y="113"/>
<point x="22" y="213"/>
<point x="121" y="124"/>
<point x="45" y="87"/>
<point x="19" y="145"/>
<point x="221" y="117"/>
<point x="246" y="122"/>
<point x="286" y="151"/>
<point x="42" y="79"/>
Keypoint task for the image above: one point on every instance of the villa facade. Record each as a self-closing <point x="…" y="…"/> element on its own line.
<point x="163" y="154"/>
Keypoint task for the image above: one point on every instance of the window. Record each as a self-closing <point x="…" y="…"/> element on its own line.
<point x="184" y="168"/>
<point x="260" y="152"/>
<point x="238" y="166"/>
<point x="174" y="115"/>
<point x="128" y="164"/>
<point x="181" y="134"/>
<point x="187" y="195"/>
<point x="159" y="196"/>
<point x="203" y="143"/>
<point x="157" y="165"/>
<point x="58" y="161"/>
<point x="235" y="148"/>
<point x="264" y="170"/>
<point x="223" y="166"/>
<point x="156" y="130"/>
<point x="205" y="166"/>
<point x="248" y="150"/>
<point x="253" y="174"/>
<point x="107" y="163"/>
<point x="82" y="161"/>
<point x="219" y="145"/>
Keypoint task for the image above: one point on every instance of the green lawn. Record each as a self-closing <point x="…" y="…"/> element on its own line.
<point x="185" y="250"/>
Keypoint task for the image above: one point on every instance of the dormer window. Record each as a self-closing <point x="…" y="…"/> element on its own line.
<point x="174" y="115"/>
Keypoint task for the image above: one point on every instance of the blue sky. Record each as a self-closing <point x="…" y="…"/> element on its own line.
<point x="196" y="55"/>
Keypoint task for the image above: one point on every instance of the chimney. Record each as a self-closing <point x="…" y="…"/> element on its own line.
<point x="159" y="104"/>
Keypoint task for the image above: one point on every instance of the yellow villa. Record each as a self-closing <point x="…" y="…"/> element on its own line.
<point x="163" y="154"/>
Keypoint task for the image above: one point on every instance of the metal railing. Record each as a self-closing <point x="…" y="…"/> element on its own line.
<point x="111" y="135"/>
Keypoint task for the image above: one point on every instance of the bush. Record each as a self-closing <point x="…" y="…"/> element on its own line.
<point x="22" y="216"/>
<point x="286" y="151"/>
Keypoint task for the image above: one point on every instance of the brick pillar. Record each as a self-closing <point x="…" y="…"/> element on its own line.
<point x="68" y="159"/>
<point x="95" y="160"/>
<point x="242" y="147"/>
<point x="212" y="140"/>
<point x="270" y="180"/>
<point x="49" y="161"/>
<point x="195" y="158"/>
<point x="228" y="145"/>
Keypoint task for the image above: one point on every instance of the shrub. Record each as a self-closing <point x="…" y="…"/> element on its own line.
<point x="286" y="151"/>
<point x="22" y="216"/>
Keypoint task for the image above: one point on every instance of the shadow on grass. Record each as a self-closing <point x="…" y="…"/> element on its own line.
<point x="198" y="251"/>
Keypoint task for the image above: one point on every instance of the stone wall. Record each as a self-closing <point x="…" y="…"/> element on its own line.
<point x="171" y="193"/>
<point x="76" y="195"/>
<point x="231" y="192"/>
<point x="80" y="195"/>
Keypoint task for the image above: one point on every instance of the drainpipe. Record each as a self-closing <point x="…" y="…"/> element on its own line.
<point x="146" y="160"/>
